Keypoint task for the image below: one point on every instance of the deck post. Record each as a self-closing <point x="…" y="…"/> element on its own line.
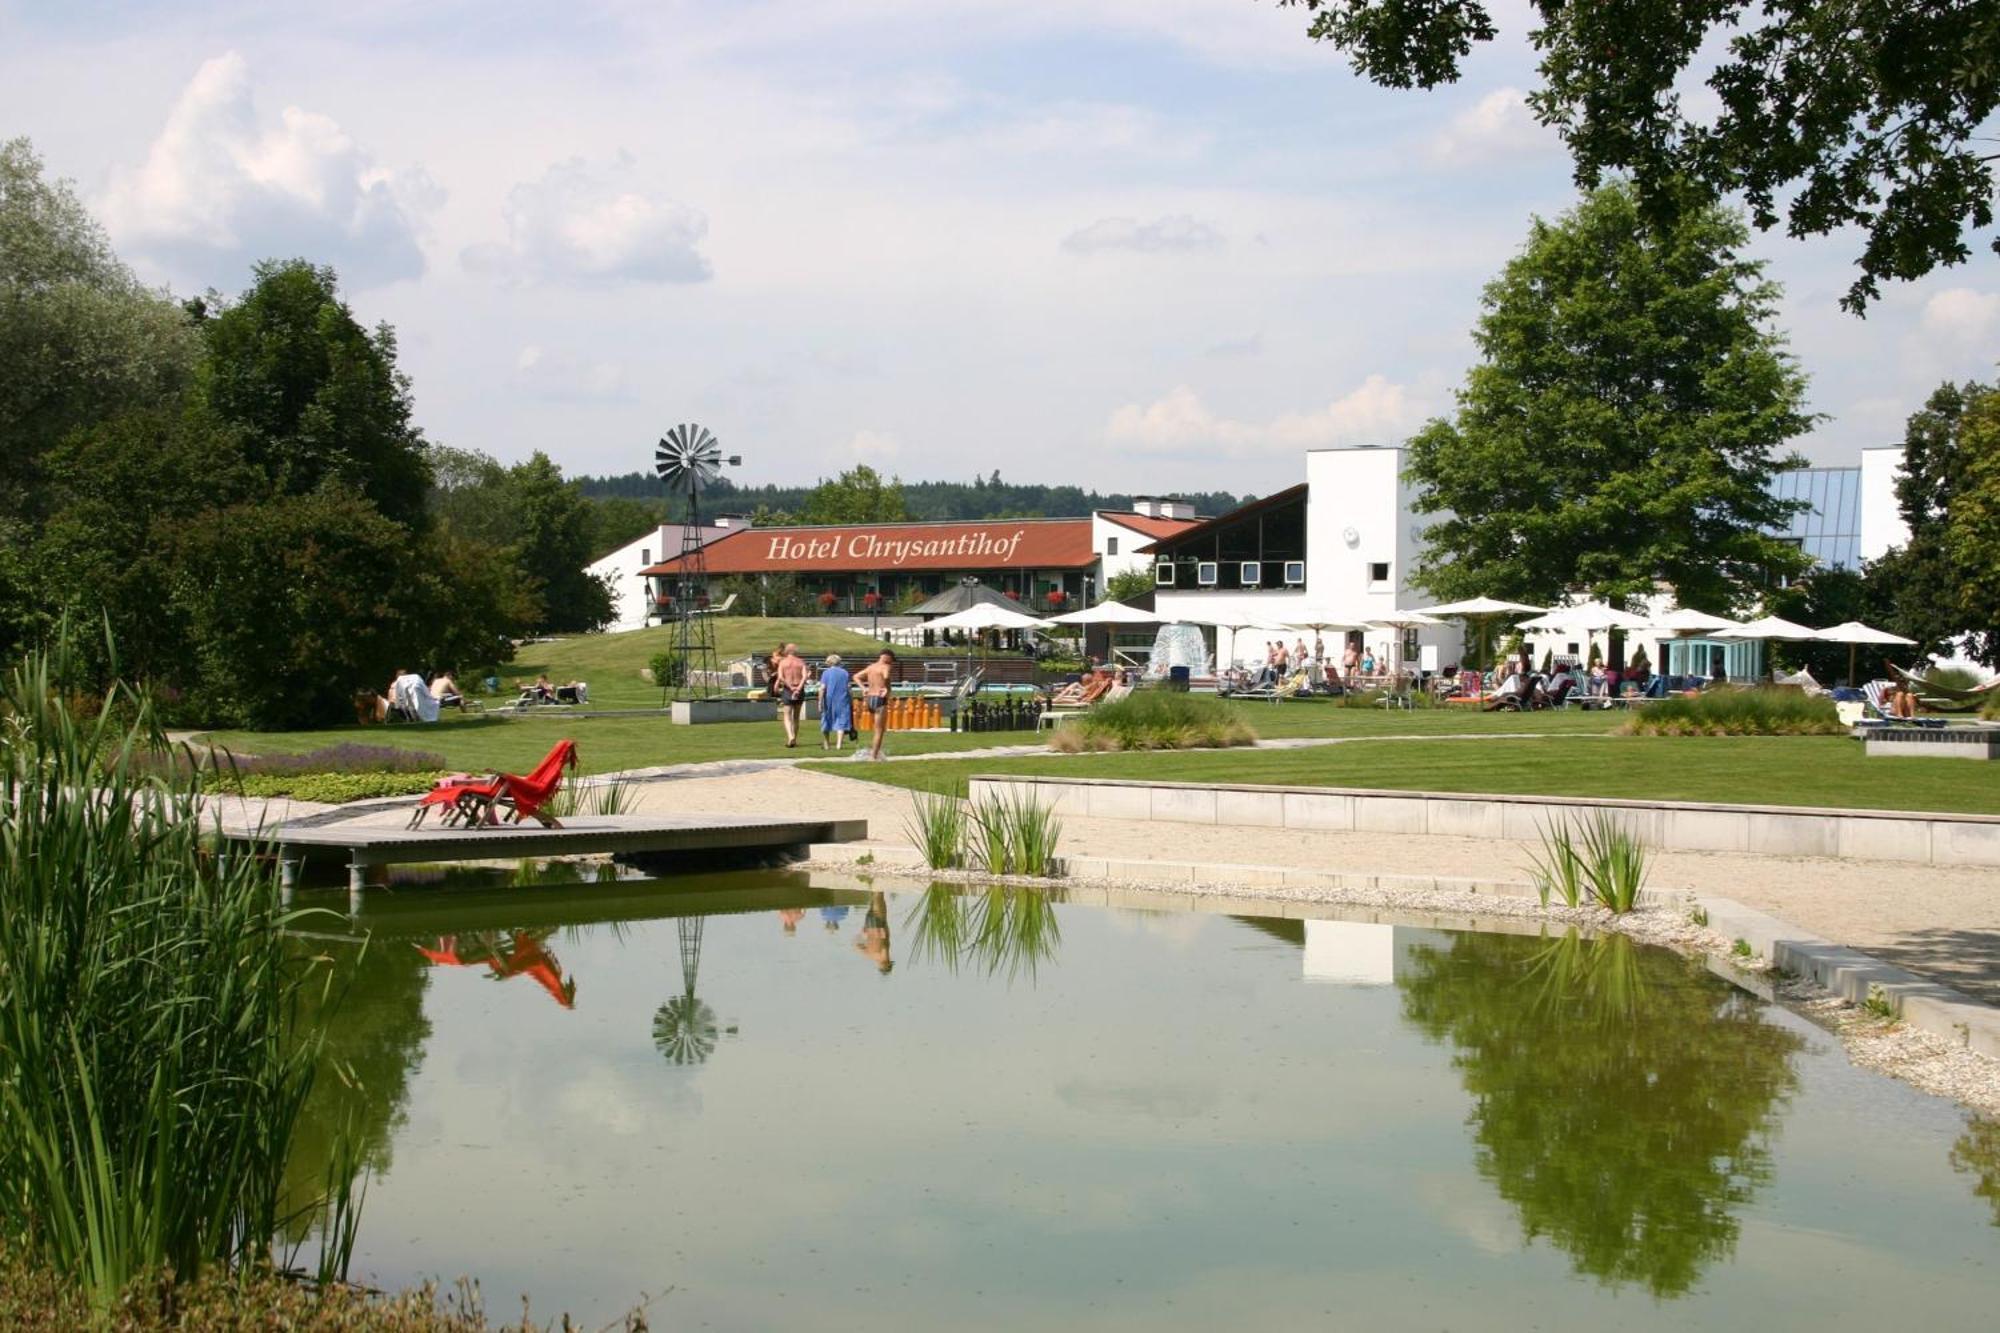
<point x="288" y="875"/>
<point x="357" y="880"/>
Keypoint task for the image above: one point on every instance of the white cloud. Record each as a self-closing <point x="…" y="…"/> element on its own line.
<point x="586" y="224"/>
<point x="218" y="191"/>
<point x="1961" y="314"/>
<point x="1377" y="412"/>
<point x="567" y="378"/>
<point x="869" y="446"/>
<point x="1175" y="232"/>
<point x="1499" y="124"/>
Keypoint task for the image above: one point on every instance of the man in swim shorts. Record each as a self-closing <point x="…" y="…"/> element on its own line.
<point x="874" y="682"/>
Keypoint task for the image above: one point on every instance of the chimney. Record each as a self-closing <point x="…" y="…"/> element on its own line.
<point x="1157" y="506"/>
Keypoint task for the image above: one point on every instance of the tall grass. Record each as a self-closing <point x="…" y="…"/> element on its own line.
<point x="150" y="1077"/>
<point x="937" y="824"/>
<point x="1730" y="712"/>
<point x="993" y="835"/>
<point x="1598" y="861"/>
<point x="1015" y="834"/>
<point x="1157" y="720"/>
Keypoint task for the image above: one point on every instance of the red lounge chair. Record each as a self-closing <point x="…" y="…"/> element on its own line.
<point x="478" y="801"/>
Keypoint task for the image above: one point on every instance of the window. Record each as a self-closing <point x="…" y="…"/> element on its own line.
<point x="1111" y="546"/>
<point x="1295" y="573"/>
<point x="1378" y="571"/>
<point x="1163" y="573"/>
<point x="1250" y="574"/>
<point x="645" y="556"/>
<point x="1207" y="573"/>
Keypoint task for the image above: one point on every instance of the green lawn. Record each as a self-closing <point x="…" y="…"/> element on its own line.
<point x="612" y="662"/>
<point x="1781" y="770"/>
<point x="603" y="744"/>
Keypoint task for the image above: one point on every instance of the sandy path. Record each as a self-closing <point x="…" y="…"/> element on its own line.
<point x="1944" y="922"/>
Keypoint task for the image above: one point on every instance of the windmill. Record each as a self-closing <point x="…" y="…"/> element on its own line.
<point x="684" y="1028"/>
<point x="689" y="459"/>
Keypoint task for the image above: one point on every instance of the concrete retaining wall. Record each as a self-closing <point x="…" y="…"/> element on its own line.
<point x="1930" y="839"/>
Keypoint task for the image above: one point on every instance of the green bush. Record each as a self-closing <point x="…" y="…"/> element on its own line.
<point x="1157" y="720"/>
<point x="1954" y="678"/>
<point x="669" y="670"/>
<point x="331" y="788"/>
<point x="1766" y="711"/>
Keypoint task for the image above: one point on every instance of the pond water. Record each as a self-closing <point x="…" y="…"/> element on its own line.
<point x="798" y="1103"/>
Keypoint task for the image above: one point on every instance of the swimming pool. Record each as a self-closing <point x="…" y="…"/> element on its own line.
<point x="801" y="1103"/>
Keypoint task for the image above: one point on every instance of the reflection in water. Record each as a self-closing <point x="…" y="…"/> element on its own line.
<point x="684" y="1028"/>
<point x="522" y="953"/>
<point x="874" y="939"/>
<point x="1623" y="1104"/>
<point x="998" y="927"/>
<point x="1977" y="1154"/>
<point x="370" y="1015"/>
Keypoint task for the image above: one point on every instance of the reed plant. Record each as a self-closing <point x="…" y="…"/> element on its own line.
<point x="1157" y="720"/>
<point x="938" y="825"/>
<point x="1614" y="863"/>
<point x="152" y="1070"/>
<point x="1767" y="711"/>
<point x="1035" y="833"/>
<point x="992" y="830"/>
<point x="1558" y="868"/>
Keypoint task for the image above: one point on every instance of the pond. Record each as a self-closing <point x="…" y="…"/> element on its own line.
<point x="796" y="1102"/>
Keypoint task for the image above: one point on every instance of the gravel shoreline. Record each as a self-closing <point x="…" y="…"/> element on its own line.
<point x="1887" y="1046"/>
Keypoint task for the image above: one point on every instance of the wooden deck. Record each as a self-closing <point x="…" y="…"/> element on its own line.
<point x="361" y="844"/>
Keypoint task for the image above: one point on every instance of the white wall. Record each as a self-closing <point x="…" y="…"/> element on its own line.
<point x="1882" y="525"/>
<point x="630" y="599"/>
<point x="1362" y="491"/>
<point x="1102" y="532"/>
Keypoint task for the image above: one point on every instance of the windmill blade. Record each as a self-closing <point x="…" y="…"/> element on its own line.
<point x="688" y="457"/>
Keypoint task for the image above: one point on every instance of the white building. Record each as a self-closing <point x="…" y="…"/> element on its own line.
<point x="631" y="597"/>
<point x="1882" y="525"/>
<point x="1338" y="548"/>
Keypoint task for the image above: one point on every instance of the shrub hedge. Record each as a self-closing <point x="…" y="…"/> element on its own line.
<point x="1764" y="711"/>
<point x="1157" y="720"/>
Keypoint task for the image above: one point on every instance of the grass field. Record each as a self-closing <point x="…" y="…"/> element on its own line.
<point x="605" y="744"/>
<point x="612" y="662"/>
<point x="1778" y="770"/>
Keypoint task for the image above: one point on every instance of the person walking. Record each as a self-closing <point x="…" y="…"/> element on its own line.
<point x="836" y="704"/>
<point x="791" y="691"/>
<point x="874" y="681"/>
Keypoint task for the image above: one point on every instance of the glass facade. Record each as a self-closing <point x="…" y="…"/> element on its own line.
<point x="1830" y="529"/>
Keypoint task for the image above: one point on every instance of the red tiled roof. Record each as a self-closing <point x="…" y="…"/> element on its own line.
<point x="1155" y="528"/>
<point x="1046" y="543"/>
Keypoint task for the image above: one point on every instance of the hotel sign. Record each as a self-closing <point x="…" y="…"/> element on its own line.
<point x="976" y="544"/>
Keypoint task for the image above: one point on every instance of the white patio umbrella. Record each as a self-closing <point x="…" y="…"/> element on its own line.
<point x="1585" y="618"/>
<point x="1107" y="613"/>
<point x="1399" y="621"/>
<point x="985" y="615"/>
<point x="1853" y="633"/>
<point x="1681" y="620"/>
<point x="1770" y="627"/>
<point x="1481" y="611"/>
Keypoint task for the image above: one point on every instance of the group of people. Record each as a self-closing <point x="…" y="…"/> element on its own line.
<point x="408" y="698"/>
<point x="1520" y="686"/>
<point x="1357" y="661"/>
<point x="872" y="941"/>
<point x="789" y="675"/>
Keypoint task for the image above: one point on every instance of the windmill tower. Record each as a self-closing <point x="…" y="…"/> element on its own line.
<point x="684" y="1028"/>
<point x="689" y="460"/>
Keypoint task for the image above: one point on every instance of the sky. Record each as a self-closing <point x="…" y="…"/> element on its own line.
<point x="1132" y="244"/>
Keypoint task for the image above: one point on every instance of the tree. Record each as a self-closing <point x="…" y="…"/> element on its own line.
<point x="319" y="397"/>
<point x="1867" y="114"/>
<point x="1622" y="1102"/>
<point x="1830" y="597"/>
<point x="80" y="339"/>
<point x="294" y="602"/>
<point x="1623" y="424"/>
<point x="858" y="495"/>
<point x="553" y="546"/>
<point x="1127" y="584"/>
<point x="1941" y="583"/>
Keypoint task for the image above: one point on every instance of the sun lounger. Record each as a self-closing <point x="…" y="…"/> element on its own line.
<point x="481" y="802"/>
